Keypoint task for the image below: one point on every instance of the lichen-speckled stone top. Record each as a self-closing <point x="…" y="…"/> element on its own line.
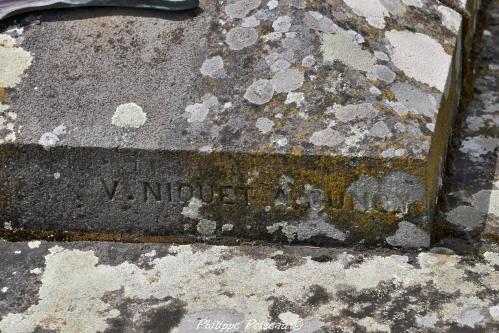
<point x="350" y="78"/>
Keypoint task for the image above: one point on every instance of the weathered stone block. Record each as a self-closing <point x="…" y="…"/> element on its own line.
<point x="307" y="121"/>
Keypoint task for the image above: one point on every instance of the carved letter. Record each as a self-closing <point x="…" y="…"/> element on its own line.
<point x="227" y="195"/>
<point x="188" y="187"/>
<point x="169" y="191"/>
<point x="110" y="192"/>
<point x="245" y="194"/>
<point x="202" y="193"/>
<point x="148" y="188"/>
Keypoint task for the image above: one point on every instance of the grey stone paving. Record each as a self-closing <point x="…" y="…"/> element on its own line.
<point x="112" y="287"/>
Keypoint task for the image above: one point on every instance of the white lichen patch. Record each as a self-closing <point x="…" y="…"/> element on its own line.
<point x="396" y="191"/>
<point x="382" y="73"/>
<point x="327" y="138"/>
<point x="207" y="149"/>
<point x="259" y="92"/>
<point x="227" y="227"/>
<point x="282" y="24"/>
<point x="272" y="4"/>
<point x="7" y="124"/>
<point x="129" y="115"/>
<point x="280" y="141"/>
<point x="427" y="321"/>
<point x="354" y="112"/>
<point x="7" y="41"/>
<point x="289" y="318"/>
<point x="317" y="21"/>
<point x="240" y="38"/>
<point x="380" y="130"/>
<point x="413" y="3"/>
<point x="192" y="209"/>
<point x="341" y="47"/>
<point x="48" y="140"/>
<point x="309" y="61"/>
<point x="287" y="80"/>
<point x="395" y="7"/>
<point x="295" y="97"/>
<point x="478" y="146"/>
<point x="411" y="100"/>
<point x="450" y="18"/>
<point x="494" y="312"/>
<point x="4" y="107"/>
<point x="264" y="125"/>
<point x="214" y="67"/>
<point x="409" y="236"/>
<point x="420" y="57"/>
<point x="150" y="254"/>
<point x="371" y="325"/>
<point x="34" y="244"/>
<point x="36" y="271"/>
<point x="52" y="299"/>
<point x="468" y="218"/>
<point x="14" y="61"/>
<point x="241" y="8"/>
<point x="372" y="10"/>
<point x="206" y="227"/>
<point x="198" y="112"/>
<point x="250" y="22"/>
<point x="74" y="282"/>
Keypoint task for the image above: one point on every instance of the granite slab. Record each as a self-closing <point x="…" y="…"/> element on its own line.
<point x="323" y="122"/>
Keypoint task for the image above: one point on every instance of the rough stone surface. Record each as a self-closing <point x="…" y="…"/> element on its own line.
<point x="470" y="205"/>
<point x="337" y="81"/>
<point x="111" y="287"/>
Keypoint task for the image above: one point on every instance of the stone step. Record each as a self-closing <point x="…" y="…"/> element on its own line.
<point x="300" y="121"/>
<point x="91" y="287"/>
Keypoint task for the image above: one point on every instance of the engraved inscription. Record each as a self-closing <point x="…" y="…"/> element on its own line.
<point x="152" y="192"/>
<point x="169" y="192"/>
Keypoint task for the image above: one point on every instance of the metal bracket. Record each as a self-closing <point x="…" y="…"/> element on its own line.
<point x="12" y="7"/>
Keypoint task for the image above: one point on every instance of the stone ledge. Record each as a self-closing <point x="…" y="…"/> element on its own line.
<point x="109" y="287"/>
<point x="304" y="121"/>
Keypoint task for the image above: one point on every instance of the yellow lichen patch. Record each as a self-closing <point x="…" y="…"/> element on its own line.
<point x="389" y="95"/>
<point x="296" y="152"/>
<point x="332" y="176"/>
